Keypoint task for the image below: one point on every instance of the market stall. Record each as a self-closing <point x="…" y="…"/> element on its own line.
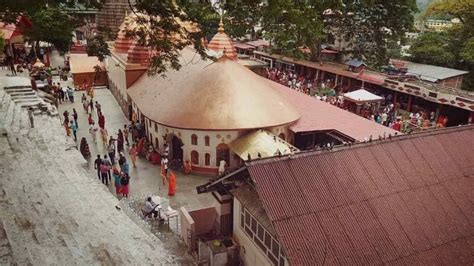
<point x="357" y="99"/>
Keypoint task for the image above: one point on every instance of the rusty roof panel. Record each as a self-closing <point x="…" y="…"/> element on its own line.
<point x="405" y="201"/>
<point x="361" y="244"/>
<point x="391" y="226"/>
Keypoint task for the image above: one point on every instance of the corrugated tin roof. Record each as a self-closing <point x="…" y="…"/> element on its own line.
<point x="321" y="116"/>
<point x="406" y="201"/>
<point x="355" y="63"/>
<point x="433" y="73"/>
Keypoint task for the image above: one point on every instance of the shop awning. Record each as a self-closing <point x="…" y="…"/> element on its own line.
<point x="362" y="96"/>
<point x="260" y="143"/>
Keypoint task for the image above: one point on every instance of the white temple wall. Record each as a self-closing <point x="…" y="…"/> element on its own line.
<point x="159" y="132"/>
<point x="116" y="73"/>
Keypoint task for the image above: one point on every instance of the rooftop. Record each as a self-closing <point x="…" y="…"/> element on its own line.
<point x="321" y="116"/>
<point x="82" y="63"/>
<point x="220" y="95"/>
<point x="433" y="73"/>
<point x="404" y="201"/>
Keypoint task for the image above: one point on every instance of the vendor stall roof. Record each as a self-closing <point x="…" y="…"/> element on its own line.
<point x="361" y="96"/>
<point x="260" y="142"/>
<point x="82" y="63"/>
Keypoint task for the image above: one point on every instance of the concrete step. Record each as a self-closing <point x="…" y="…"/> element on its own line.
<point x="22" y="93"/>
<point x="26" y="97"/>
<point x="17" y="88"/>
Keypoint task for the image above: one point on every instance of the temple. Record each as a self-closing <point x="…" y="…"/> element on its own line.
<point x="208" y="109"/>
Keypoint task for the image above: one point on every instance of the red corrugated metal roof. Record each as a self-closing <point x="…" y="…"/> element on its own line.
<point x="319" y="116"/>
<point x="404" y="201"/>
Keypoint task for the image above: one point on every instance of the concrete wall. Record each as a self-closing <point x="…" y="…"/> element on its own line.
<point x="187" y="224"/>
<point x="454" y="82"/>
<point x="203" y="220"/>
<point x="249" y="252"/>
<point x="116" y="73"/>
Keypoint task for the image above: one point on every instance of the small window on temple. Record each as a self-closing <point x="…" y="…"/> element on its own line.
<point x="207" y="140"/>
<point x="194" y="157"/>
<point x="194" y="139"/>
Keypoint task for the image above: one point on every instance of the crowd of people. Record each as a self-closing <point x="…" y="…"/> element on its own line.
<point x="328" y="91"/>
<point x="113" y="166"/>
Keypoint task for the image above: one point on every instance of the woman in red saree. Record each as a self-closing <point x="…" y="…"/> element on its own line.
<point x="171" y="184"/>
<point x="140" y="145"/>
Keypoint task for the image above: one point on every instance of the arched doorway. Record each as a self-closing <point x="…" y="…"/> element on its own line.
<point x="176" y="147"/>
<point x="222" y="153"/>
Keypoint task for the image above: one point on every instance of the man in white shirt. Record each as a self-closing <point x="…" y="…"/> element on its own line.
<point x="150" y="208"/>
<point x="222" y="165"/>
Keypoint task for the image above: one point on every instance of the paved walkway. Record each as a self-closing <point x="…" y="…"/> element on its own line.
<point x="146" y="176"/>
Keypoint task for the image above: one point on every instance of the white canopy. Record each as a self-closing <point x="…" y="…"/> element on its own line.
<point x="361" y="95"/>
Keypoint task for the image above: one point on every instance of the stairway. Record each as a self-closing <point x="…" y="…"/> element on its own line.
<point x="52" y="211"/>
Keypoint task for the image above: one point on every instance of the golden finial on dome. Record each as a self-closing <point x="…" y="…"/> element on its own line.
<point x="221" y="26"/>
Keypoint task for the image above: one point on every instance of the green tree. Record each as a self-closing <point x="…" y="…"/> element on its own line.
<point x="97" y="47"/>
<point x="433" y="48"/>
<point x="371" y="25"/>
<point x="453" y="48"/>
<point x="467" y="52"/>
<point x="53" y="26"/>
<point x="2" y="42"/>
<point x="292" y="25"/>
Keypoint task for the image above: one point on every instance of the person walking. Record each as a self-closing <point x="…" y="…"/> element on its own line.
<point x="104" y="170"/>
<point x="61" y="95"/>
<point x="97" y="164"/>
<point x="68" y="128"/>
<point x="70" y="94"/>
<point x="93" y="130"/>
<point x="98" y="107"/>
<point x="101" y="119"/>
<point x="85" y="105"/>
<point x="124" y="181"/>
<point x="117" y="181"/>
<point x="91" y="105"/>
<point x="172" y="184"/>
<point x="120" y="141"/>
<point x="31" y="117"/>
<point x="11" y="64"/>
<point x="66" y="117"/>
<point x="83" y="98"/>
<point x="111" y="150"/>
<point x="109" y="164"/>
<point x="90" y="120"/>
<point x="104" y="135"/>
<point x="133" y="155"/>
<point x="73" y="127"/>
<point x="125" y="134"/>
<point x="125" y="168"/>
<point x="121" y="159"/>
<point x="74" y="115"/>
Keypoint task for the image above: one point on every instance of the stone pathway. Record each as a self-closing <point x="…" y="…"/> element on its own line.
<point x="51" y="210"/>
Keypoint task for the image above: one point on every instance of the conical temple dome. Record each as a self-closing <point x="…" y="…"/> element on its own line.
<point x="222" y="43"/>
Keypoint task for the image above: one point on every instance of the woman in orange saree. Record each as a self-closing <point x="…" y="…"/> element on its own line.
<point x="171" y="184"/>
